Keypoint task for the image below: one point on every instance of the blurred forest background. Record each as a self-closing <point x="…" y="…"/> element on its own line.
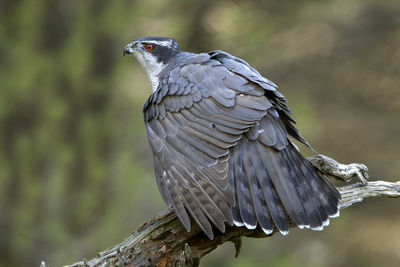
<point x="76" y="174"/>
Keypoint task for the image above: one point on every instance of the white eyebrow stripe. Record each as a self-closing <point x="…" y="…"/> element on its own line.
<point x="163" y="43"/>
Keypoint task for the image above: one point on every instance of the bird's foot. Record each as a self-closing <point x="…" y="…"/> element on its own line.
<point x="341" y="171"/>
<point x="186" y="258"/>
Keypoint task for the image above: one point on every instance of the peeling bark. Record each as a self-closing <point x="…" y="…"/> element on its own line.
<point x="163" y="241"/>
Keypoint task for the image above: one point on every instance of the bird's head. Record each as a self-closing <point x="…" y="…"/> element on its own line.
<point x="154" y="53"/>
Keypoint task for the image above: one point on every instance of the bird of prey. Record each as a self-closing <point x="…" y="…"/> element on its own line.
<point x="219" y="132"/>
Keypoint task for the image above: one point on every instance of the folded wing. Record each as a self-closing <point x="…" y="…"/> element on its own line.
<point x="218" y="131"/>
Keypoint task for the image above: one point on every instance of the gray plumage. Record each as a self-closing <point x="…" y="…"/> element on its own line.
<point x="219" y="135"/>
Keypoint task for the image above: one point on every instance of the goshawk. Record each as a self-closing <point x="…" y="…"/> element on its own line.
<point x="219" y="135"/>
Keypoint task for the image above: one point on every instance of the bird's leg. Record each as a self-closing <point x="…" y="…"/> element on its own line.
<point x="341" y="171"/>
<point x="186" y="258"/>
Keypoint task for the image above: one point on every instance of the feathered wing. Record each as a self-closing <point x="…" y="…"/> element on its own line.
<point x="221" y="150"/>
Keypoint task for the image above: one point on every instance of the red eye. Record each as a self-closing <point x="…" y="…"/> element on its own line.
<point x="149" y="47"/>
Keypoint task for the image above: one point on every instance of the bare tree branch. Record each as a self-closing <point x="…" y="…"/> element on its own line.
<point x="163" y="241"/>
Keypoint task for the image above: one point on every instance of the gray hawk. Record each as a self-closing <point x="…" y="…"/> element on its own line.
<point x="219" y="135"/>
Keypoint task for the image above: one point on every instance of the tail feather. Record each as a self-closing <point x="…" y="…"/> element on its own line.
<point x="260" y="207"/>
<point x="283" y="185"/>
<point x="316" y="214"/>
<point x="327" y="194"/>
<point x="271" y="184"/>
<point x="306" y="199"/>
<point x="237" y="219"/>
<point x="272" y="202"/>
<point x="244" y="203"/>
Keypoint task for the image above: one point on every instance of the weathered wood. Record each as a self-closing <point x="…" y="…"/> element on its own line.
<point x="163" y="241"/>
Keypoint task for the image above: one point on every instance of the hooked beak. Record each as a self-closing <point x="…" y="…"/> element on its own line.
<point x="130" y="48"/>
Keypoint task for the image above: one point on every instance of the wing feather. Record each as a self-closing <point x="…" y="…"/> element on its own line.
<point x="174" y="199"/>
<point x="196" y="212"/>
<point x="219" y="135"/>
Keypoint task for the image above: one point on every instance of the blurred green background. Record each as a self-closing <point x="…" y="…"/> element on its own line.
<point x="76" y="172"/>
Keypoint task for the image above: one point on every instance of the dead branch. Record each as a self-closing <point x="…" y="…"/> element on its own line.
<point x="163" y="241"/>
